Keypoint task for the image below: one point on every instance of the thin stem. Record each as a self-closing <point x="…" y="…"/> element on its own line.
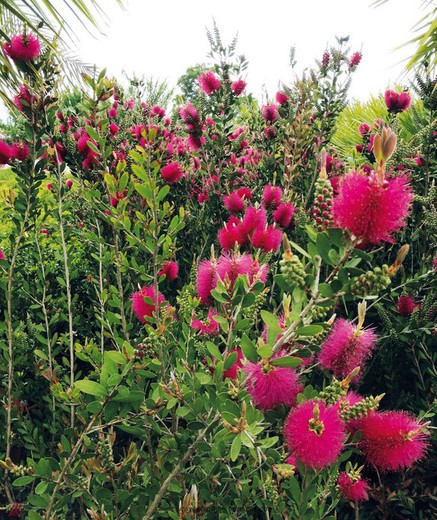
<point x="80" y="441"/>
<point x="102" y="305"/>
<point x="67" y="285"/>
<point x="47" y="326"/>
<point x="177" y="469"/>
<point x="120" y="285"/>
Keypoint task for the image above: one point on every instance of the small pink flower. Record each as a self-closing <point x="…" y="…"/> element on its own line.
<point x="254" y="219"/>
<point x="269" y="113"/>
<point x="6" y="153"/>
<point x="272" y="196"/>
<point x="49" y="186"/>
<point x="270" y="132"/>
<point x="355" y="60"/>
<point x="231" y="233"/>
<point x="20" y="151"/>
<point x="269" y="239"/>
<point x="206" y="280"/>
<point x="170" y="270"/>
<point x="238" y="87"/>
<point x="397" y="102"/>
<point x="112" y="113"/>
<point x="232" y="372"/>
<point x="208" y="327"/>
<point x="209" y="82"/>
<point x="2" y="255"/>
<point x="283" y="214"/>
<point x="353" y="488"/>
<point x="315" y="434"/>
<point x="113" y="128"/>
<point x="281" y="98"/>
<point x="229" y="267"/>
<point x="144" y="309"/>
<point x="392" y="440"/>
<point x="233" y="202"/>
<point x="270" y="386"/>
<point x="406" y="305"/>
<point x="69" y="183"/>
<point x="364" y="129"/>
<point x="172" y="172"/>
<point x="346" y="348"/>
<point x="23" y="47"/>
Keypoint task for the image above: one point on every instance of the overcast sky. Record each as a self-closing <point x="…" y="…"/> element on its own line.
<point x="163" y="38"/>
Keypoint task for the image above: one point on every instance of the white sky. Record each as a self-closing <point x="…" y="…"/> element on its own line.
<point x="163" y="38"/>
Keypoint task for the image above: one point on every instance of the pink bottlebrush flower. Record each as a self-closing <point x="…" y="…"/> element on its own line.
<point x="254" y="219"/>
<point x="49" y="186"/>
<point x="270" y="132"/>
<point x="208" y="327"/>
<point x="20" y="151"/>
<point x="272" y="196"/>
<point x="69" y="183"/>
<point x="195" y="142"/>
<point x="281" y="98"/>
<point x="189" y="114"/>
<point x="22" y="47"/>
<point x="258" y="272"/>
<point x="283" y="214"/>
<point x="392" y="440"/>
<point x="346" y="347"/>
<point x="157" y="111"/>
<point x="353" y="488"/>
<point x="406" y="305"/>
<point x="233" y="202"/>
<point x="82" y="144"/>
<point x="359" y="148"/>
<point x="206" y="280"/>
<point x="232" y="372"/>
<point x="229" y="267"/>
<point x="170" y="270"/>
<point x="142" y="308"/>
<point x="419" y="160"/>
<point x="6" y="153"/>
<point x="230" y="234"/>
<point x="245" y="193"/>
<point x="113" y="128"/>
<point x="434" y="263"/>
<point x="25" y="99"/>
<point x="364" y="129"/>
<point x="326" y="58"/>
<point x="269" y="239"/>
<point x="372" y="210"/>
<point x="209" y="82"/>
<point x="355" y="60"/>
<point x="270" y="386"/>
<point x="2" y="255"/>
<point x="238" y="87"/>
<point x="269" y="113"/>
<point x="397" y="102"/>
<point x="112" y="113"/>
<point x="172" y="172"/>
<point x="315" y="434"/>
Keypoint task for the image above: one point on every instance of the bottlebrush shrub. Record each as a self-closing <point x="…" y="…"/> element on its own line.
<point x="161" y="349"/>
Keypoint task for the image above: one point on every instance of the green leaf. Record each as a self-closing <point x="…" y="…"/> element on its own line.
<point x="265" y="351"/>
<point x="41" y="487"/>
<point x="323" y="246"/>
<point x="309" y="330"/>
<point x="91" y="387"/>
<point x="116" y="356"/>
<point x="230" y="360"/>
<point x="213" y="350"/>
<point x="236" y="447"/>
<point x="286" y="361"/>
<point x="144" y="190"/>
<point x="23" y="481"/>
<point x="248" y="349"/>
